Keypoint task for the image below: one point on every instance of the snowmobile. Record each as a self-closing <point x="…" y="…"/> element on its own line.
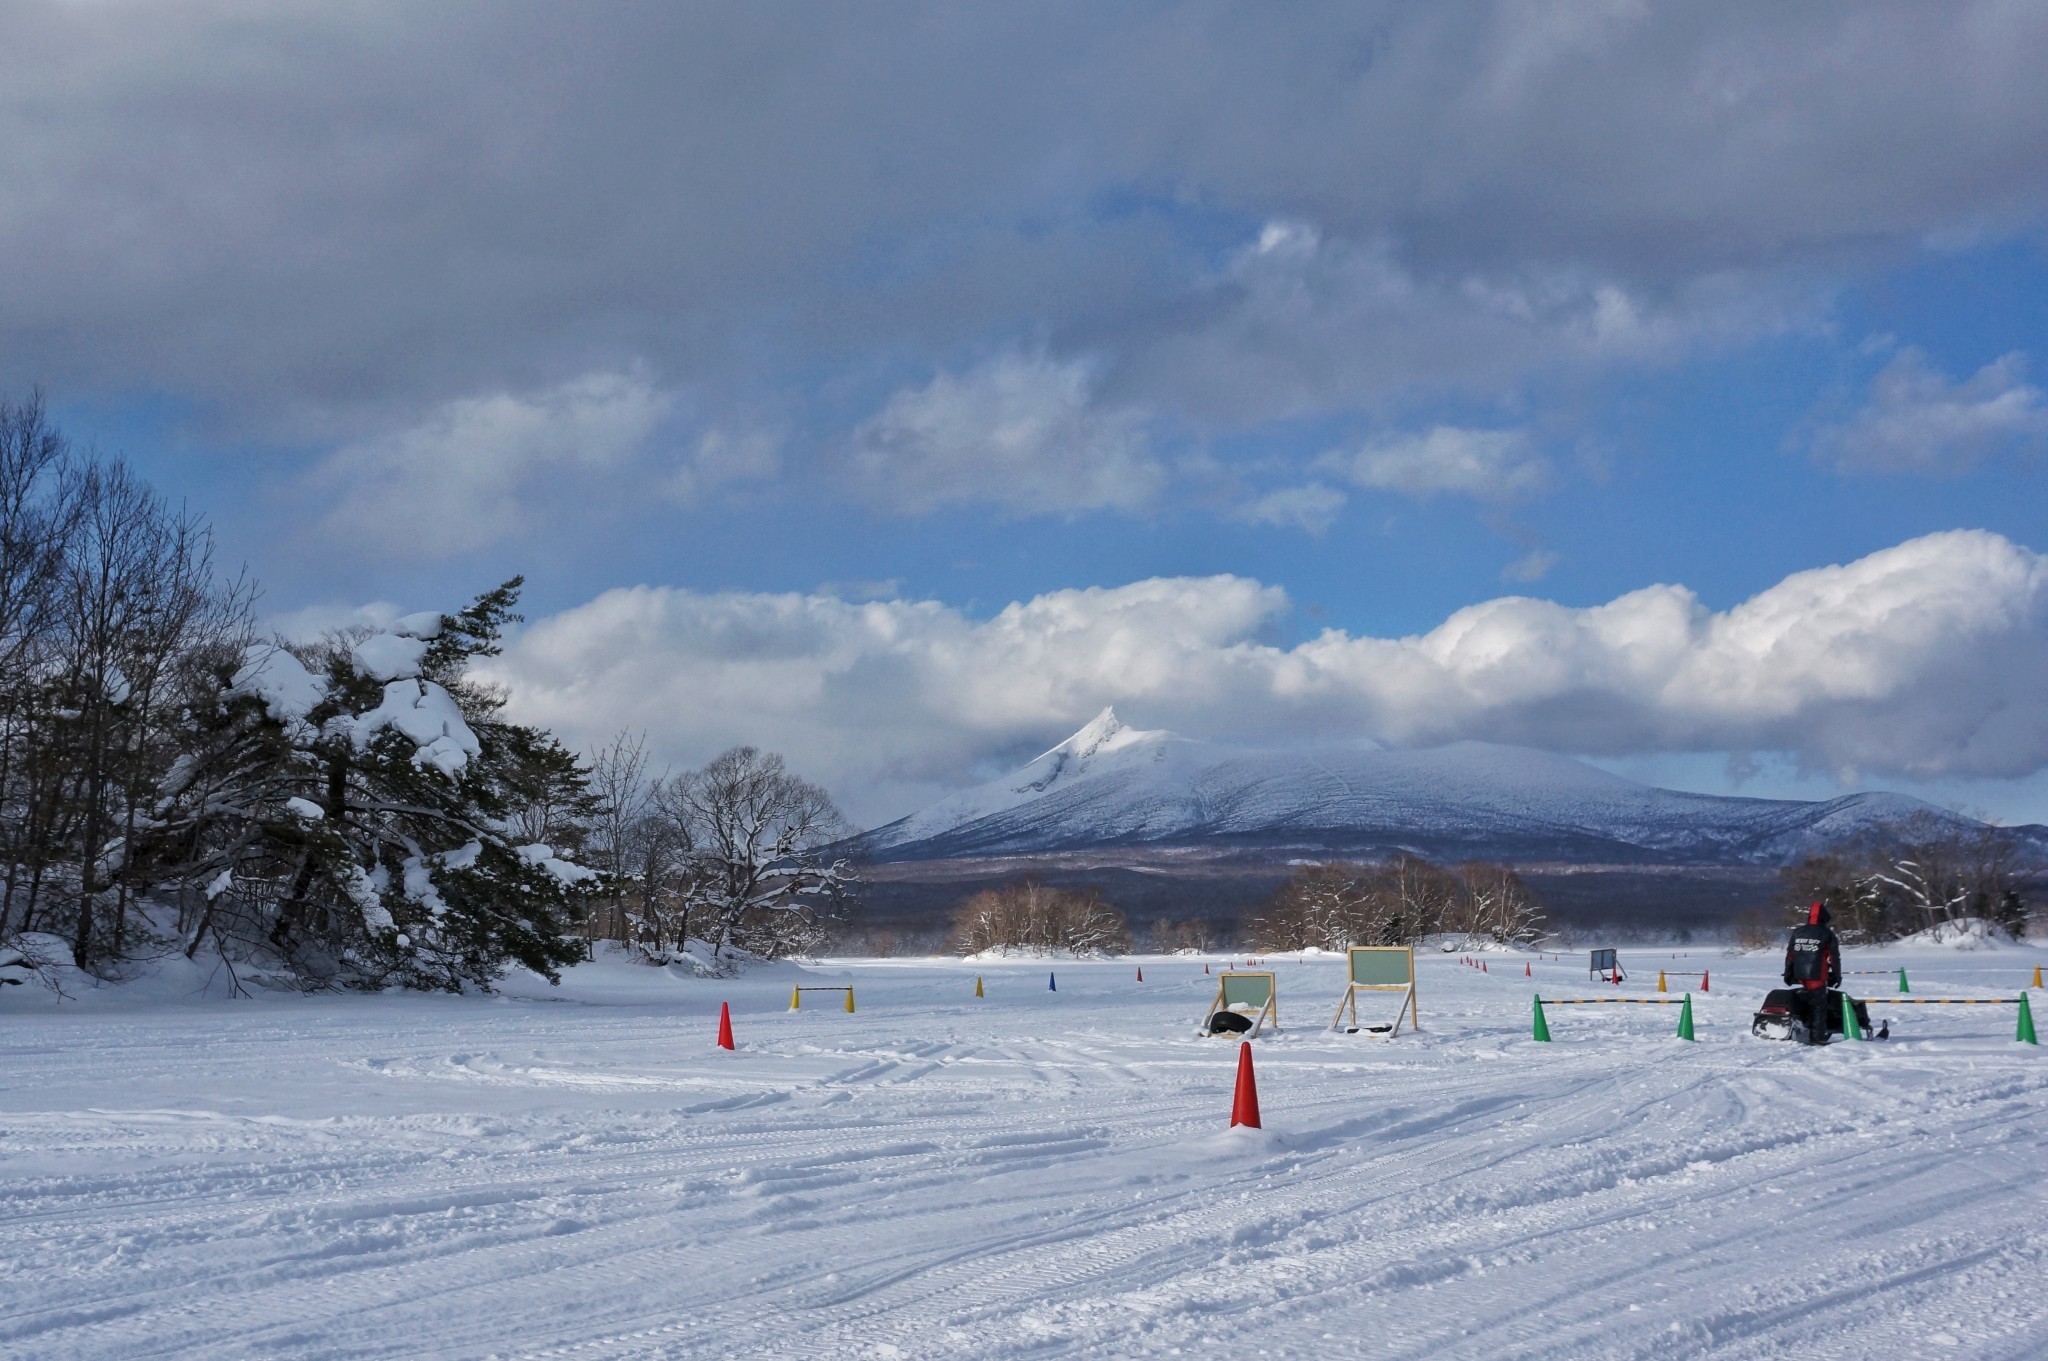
<point x="1779" y="1018"/>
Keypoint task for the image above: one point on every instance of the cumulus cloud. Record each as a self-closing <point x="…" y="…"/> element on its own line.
<point x="1917" y="419"/>
<point x="1918" y="661"/>
<point x="1487" y="465"/>
<point x="461" y="479"/>
<point x="1019" y="433"/>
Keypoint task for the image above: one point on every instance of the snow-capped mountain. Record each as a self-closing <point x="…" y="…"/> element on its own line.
<point x="1113" y="786"/>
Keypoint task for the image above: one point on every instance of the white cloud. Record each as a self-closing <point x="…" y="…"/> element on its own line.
<point x="1487" y="465"/>
<point x="1313" y="507"/>
<point x="721" y="458"/>
<point x="1533" y="565"/>
<point x="1919" y="661"/>
<point x="1021" y="433"/>
<point x="1919" y="420"/>
<point x="460" y="479"/>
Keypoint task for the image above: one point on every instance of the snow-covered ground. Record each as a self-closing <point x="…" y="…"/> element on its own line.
<point x="578" y="1173"/>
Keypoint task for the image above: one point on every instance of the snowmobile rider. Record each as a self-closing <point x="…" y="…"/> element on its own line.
<point x="1813" y="962"/>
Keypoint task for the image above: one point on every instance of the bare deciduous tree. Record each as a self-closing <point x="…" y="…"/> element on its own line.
<point x="762" y="881"/>
<point x="1397" y="902"/>
<point x="1031" y="915"/>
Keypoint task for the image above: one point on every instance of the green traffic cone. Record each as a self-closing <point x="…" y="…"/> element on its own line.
<point x="1542" y="1031"/>
<point x="2025" y="1033"/>
<point x="1850" y="1030"/>
<point x="1902" y="979"/>
<point x="1685" y="1019"/>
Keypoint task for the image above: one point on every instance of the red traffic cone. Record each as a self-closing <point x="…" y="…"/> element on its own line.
<point x="1244" y="1107"/>
<point x="1616" y="980"/>
<point x="1141" y="974"/>
<point x="724" y="1026"/>
<point x="1205" y="968"/>
<point x="1527" y="972"/>
<point x="1703" y="980"/>
<point x="1483" y="968"/>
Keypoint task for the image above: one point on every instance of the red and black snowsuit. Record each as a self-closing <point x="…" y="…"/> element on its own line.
<point x="1813" y="961"/>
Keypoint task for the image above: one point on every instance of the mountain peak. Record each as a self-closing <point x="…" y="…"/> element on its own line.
<point x="1095" y="734"/>
<point x="1102" y="734"/>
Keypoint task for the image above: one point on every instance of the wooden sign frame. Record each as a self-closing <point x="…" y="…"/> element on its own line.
<point x="1269" y="1012"/>
<point x="1352" y="987"/>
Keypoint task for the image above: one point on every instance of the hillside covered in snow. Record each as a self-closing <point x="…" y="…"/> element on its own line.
<point x="1110" y="785"/>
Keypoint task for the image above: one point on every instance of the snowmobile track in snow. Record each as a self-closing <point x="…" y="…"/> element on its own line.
<point x="1024" y="1177"/>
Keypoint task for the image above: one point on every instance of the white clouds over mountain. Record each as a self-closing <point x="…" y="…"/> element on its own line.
<point x="1917" y="661"/>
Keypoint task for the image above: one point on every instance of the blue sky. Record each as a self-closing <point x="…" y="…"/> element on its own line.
<point x="898" y="387"/>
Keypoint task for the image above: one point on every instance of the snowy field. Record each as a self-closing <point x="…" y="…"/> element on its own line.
<point x="578" y="1173"/>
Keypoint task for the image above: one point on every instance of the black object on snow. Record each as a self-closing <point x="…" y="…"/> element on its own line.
<point x="1789" y="1014"/>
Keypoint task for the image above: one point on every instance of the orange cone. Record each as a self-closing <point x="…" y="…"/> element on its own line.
<point x="1703" y="980"/>
<point x="1244" y="1108"/>
<point x="724" y="1026"/>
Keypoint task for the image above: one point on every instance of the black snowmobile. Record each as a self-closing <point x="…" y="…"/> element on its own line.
<point x="1779" y="1018"/>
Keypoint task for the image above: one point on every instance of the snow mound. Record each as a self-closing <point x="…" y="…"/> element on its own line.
<point x="288" y="691"/>
<point x="1968" y="933"/>
<point x="566" y="871"/>
<point x="428" y="715"/>
<point x="389" y="656"/>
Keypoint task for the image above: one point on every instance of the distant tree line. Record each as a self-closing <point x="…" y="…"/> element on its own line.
<point x="1926" y="872"/>
<point x="352" y="812"/>
<point x="1398" y="901"/>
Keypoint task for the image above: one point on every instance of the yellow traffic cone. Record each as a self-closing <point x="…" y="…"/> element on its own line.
<point x="977" y="985"/>
<point x="1660" y="980"/>
<point x="849" y="1000"/>
<point x="796" y="998"/>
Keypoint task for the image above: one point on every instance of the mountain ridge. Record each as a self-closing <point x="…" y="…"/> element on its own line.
<point x="1111" y="786"/>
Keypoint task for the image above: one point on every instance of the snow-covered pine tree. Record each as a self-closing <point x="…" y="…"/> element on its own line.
<point x="365" y="814"/>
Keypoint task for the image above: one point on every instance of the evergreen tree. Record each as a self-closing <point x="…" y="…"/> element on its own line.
<point x="369" y="813"/>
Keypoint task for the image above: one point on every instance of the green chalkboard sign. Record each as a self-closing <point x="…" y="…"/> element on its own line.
<point x="1383" y="966"/>
<point x="1247" y="989"/>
